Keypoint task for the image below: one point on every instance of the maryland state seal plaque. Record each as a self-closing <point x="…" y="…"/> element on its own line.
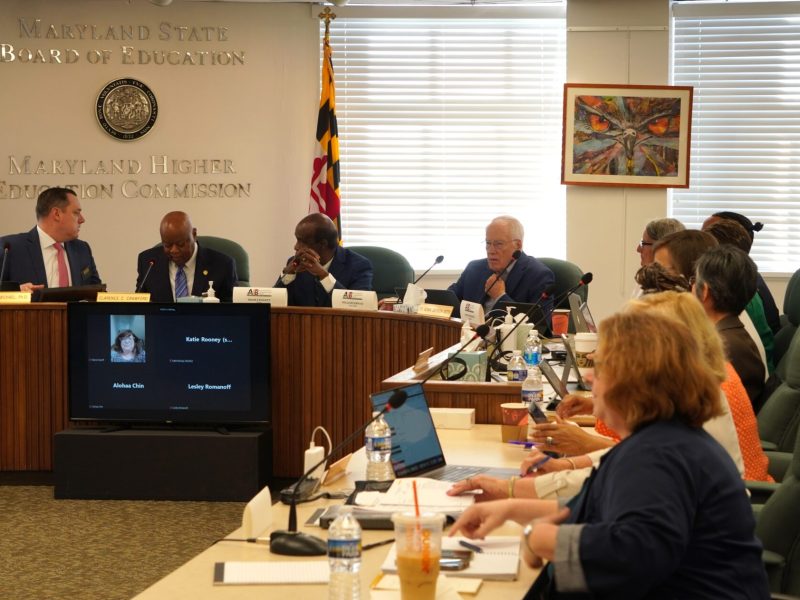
<point x="126" y="109"/>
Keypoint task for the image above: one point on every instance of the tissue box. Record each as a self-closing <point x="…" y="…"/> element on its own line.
<point x="475" y="363"/>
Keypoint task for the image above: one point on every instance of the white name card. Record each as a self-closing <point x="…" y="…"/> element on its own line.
<point x="273" y="296"/>
<point x="472" y="313"/>
<point x="15" y="297"/>
<point x="355" y="299"/>
<point x="123" y="297"/>
<point x="435" y="310"/>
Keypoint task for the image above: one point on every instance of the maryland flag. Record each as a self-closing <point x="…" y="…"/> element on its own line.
<point x="325" y="178"/>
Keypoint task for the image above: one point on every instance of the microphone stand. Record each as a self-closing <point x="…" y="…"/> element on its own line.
<point x="514" y="257"/>
<point x="294" y="543"/>
<point x="150" y="264"/>
<point x="439" y="259"/>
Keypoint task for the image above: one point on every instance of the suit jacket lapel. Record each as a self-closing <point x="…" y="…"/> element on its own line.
<point x="35" y="253"/>
<point x="200" y="283"/>
<point x="515" y="276"/>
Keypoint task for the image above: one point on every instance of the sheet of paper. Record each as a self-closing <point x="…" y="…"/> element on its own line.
<point x="254" y="572"/>
<point x="432" y="496"/>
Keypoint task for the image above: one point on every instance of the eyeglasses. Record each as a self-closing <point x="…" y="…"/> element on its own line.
<point x="642" y="243"/>
<point x="497" y="244"/>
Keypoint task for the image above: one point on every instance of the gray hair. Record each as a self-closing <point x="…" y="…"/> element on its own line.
<point x="514" y="226"/>
<point x="658" y="228"/>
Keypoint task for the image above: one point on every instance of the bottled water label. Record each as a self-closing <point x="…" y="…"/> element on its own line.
<point x="532" y="358"/>
<point x="517" y="374"/>
<point x="344" y="549"/>
<point x="379" y="444"/>
<point x="536" y="396"/>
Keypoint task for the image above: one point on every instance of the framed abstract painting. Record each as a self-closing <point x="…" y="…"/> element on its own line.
<point x="626" y="135"/>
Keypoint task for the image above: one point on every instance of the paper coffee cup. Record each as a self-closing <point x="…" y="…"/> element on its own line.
<point x="585" y="345"/>
<point x="560" y="321"/>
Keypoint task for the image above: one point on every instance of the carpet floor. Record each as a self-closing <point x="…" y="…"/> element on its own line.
<point x="99" y="549"/>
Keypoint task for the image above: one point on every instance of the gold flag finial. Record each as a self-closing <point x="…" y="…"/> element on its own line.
<point x="328" y="15"/>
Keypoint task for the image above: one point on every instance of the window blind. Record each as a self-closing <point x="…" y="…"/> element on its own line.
<point x="744" y="65"/>
<point x="444" y="124"/>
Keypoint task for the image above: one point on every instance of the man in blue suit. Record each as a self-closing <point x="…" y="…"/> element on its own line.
<point x="484" y="280"/>
<point x="181" y="267"/>
<point x="320" y="265"/>
<point x="50" y="254"/>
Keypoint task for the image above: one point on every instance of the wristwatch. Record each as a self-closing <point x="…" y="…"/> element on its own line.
<point x="526" y="534"/>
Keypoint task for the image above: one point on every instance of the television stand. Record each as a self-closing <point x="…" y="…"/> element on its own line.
<point x="159" y="464"/>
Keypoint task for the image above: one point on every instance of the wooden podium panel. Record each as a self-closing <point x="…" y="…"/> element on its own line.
<point x="33" y="384"/>
<point x="324" y="365"/>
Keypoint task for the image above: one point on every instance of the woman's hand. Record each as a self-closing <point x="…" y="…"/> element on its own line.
<point x="481" y="519"/>
<point x="537" y="456"/>
<point x="573" y="404"/>
<point x="541" y="543"/>
<point x="492" y="488"/>
<point x="567" y="439"/>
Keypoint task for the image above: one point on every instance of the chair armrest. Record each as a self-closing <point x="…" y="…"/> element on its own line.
<point x="778" y="464"/>
<point x="765" y="445"/>
<point x="760" y="491"/>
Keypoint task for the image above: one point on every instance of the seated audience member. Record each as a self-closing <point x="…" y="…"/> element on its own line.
<point x="725" y="281"/>
<point x="654" y="231"/>
<point x="678" y="251"/>
<point x="50" y="254"/>
<point x="128" y="348"/>
<point x="666" y="514"/>
<point x="181" y="267"/>
<point x="320" y="265"/>
<point x="654" y="278"/>
<point x="770" y="308"/>
<point x="524" y="280"/>
<point x="730" y="232"/>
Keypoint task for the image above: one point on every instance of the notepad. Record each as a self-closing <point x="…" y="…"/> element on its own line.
<point x="260" y="572"/>
<point x="499" y="560"/>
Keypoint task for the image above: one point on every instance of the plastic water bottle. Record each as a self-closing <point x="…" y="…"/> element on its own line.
<point x="344" y="556"/>
<point x="532" y="353"/>
<point x="517" y="370"/>
<point x="533" y="396"/>
<point x="378" y="443"/>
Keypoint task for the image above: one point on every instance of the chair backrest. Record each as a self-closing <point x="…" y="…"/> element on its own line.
<point x="567" y="275"/>
<point x="779" y="418"/>
<point x="778" y="527"/>
<point x="232" y="249"/>
<point x="790" y="319"/>
<point x="390" y="269"/>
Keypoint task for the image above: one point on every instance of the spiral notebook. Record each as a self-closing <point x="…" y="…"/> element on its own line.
<point x="499" y="560"/>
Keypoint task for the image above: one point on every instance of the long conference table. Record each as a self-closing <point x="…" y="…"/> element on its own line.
<point x="480" y="445"/>
<point x="324" y="364"/>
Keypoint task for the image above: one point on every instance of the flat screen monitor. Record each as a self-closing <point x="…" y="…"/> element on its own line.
<point x="169" y="363"/>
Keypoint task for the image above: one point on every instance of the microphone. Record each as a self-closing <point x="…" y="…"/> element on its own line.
<point x="515" y="256"/>
<point x="439" y="259"/>
<point x="542" y="298"/>
<point x="480" y="332"/>
<point x="6" y="248"/>
<point x="150" y="264"/>
<point x="291" y="542"/>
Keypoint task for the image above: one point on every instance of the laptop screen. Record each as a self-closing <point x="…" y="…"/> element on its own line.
<point x="415" y="444"/>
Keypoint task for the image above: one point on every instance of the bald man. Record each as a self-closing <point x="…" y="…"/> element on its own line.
<point x="181" y="267"/>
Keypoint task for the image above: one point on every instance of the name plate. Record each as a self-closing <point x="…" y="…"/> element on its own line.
<point x="15" y="297"/>
<point x="435" y="310"/>
<point x="472" y="313"/>
<point x="123" y="297"/>
<point x="355" y="299"/>
<point x="273" y="296"/>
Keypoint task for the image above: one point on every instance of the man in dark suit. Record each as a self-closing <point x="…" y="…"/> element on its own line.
<point x="50" y="254"/>
<point x="524" y="280"/>
<point x="320" y="265"/>
<point x="725" y="281"/>
<point x="181" y="267"/>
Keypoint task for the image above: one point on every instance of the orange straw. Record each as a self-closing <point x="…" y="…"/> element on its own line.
<point x="416" y="499"/>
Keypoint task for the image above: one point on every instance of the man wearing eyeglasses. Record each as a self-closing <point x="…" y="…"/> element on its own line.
<point x="499" y="277"/>
<point x="654" y="231"/>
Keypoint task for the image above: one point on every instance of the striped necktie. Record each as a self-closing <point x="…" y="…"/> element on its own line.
<point x="63" y="272"/>
<point x="181" y="288"/>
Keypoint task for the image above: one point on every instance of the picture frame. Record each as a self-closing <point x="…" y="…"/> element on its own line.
<point x="626" y="135"/>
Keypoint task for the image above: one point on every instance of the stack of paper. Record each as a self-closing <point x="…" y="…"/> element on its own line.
<point x="498" y="561"/>
<point x="432" y="495"/>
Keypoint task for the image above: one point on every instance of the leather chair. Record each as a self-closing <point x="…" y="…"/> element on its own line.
<point x="567" y="275"/>
<point x="390" y="269"/>
<point x="790" y="318"/>
<point x="778" y="528"/>
<point x="779" y="418"/>
<point x="232" y="249"/>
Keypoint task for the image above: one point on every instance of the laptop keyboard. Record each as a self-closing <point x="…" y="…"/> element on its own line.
<point x="455" y="472"/>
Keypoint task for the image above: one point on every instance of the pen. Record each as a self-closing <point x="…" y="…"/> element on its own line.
<point x="535" y="467"/>
<point x="376" y="544"/>
<point x="527" y="445"/>
<point x="469" y="546"/>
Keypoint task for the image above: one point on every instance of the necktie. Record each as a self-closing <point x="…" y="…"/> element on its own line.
<point x="63" y="272"/>
<point x="181" y="289"/>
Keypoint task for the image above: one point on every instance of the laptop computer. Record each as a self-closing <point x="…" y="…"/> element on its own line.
<point x="416" y="450"/>
<point x="581" y="315"/>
